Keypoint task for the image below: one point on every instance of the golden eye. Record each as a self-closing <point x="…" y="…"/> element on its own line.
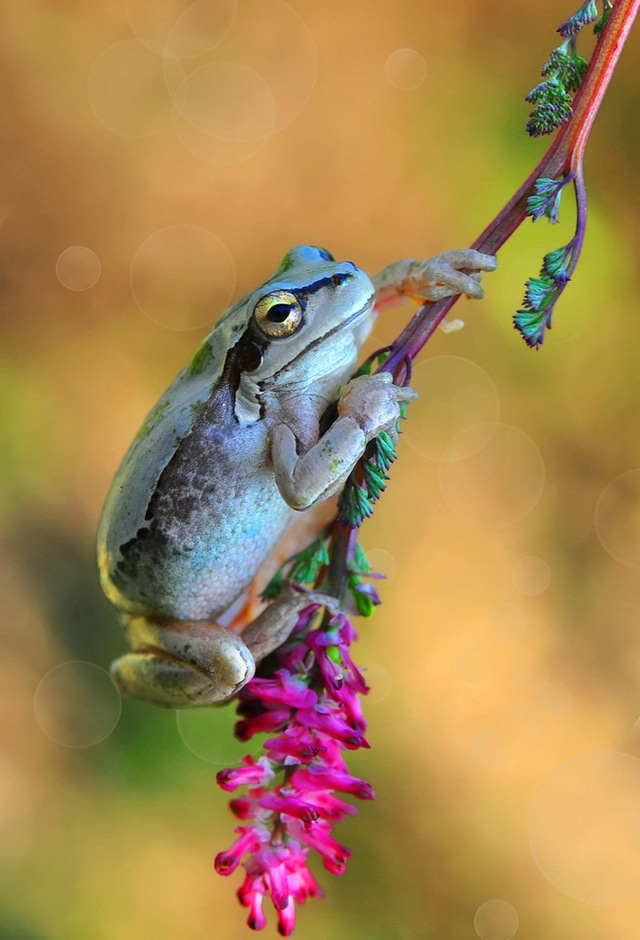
<point x="278" y="314"/>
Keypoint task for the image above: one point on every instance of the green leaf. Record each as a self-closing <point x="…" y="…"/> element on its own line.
<point x="554" y="264"/>
<point x="364" y="604"/>
<point x="602" y="22"/>
<point x="539" y="291"/>
<point x="545" y="199"/>
<point x="375" y="480"/>
<point x="385" y="452"/>
<point x="308" y="562"/>
<point x="301" y="568"/>
<point x="360" y="561"/>
<point x="532" y="325"/>
<point x="274" y="587"/>
<point x="354" y="504"/>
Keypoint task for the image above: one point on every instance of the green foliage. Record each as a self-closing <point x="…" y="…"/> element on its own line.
<point x="563" y="73"/>
<point x="555" y="264"/>
<point x="542" y="293"/>
<point x="301" y="568"/>
<point x="602" y="22"/>
<point x="377" y="358"/>
<point x="587" y="13"/>
<point x="356" y="500"/>
<point x="541" y="296"/>
<point x="364" y="604"/>
<point x="545" y="199"/>
<point x="360" y="563"/>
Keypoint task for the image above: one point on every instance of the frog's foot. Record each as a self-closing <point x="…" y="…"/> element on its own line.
<point x="373" y="402"/>
<point x="182" y="664"/>
<point x="452" y="272"/>
<point x="369" y="404"/>
<point x="277" y="621"/>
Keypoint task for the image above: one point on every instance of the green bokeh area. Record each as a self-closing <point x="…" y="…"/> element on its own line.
<point x="116" y="840"/>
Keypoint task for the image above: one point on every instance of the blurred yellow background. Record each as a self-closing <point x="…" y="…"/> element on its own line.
<point x="140" y="193"/>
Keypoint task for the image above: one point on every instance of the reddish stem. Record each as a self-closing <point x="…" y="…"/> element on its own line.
<point x="563" y="156"/>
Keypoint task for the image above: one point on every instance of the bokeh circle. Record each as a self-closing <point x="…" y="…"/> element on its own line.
<point x="379" y="680"/>
<point x="186" y="29"/>
<point x="208" y="733"/>
<point x="497" y="486"/>
<point x="617" y="518"/>
<point x="405" y="69"/>
<point x="76" y="704"/>
<point x="127" y="88"/>
<point x="531" y="575"/>
<point x="456" y="394"/>
<point x="228" y="101"/>
<point x="78" y="268"/>
<point x="496" y="920"/>
<point x="182" y="277"/>
<point x="584" y="827"/>
<point x="382" y="562"/>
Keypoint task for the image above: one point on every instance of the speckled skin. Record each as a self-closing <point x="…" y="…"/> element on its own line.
<point x="203" y="542"/>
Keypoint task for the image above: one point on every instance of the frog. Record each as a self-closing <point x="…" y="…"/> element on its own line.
<point x="235" y="450"/>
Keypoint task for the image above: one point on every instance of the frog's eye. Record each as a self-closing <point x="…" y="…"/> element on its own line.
<point x="278" y="314"/>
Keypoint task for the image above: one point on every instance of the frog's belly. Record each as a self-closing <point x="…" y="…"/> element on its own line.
<point x="214" y="517"/>
<point x="197" y="570"/>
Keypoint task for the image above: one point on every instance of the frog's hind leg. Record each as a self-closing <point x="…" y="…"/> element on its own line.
<point x="182" y="664"/>
<point x="187" y="663"/>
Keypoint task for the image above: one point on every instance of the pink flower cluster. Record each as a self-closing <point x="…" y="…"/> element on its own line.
<point x="311" y="705"/>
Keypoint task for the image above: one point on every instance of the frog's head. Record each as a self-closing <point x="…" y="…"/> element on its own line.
<point x="306" y="324"/>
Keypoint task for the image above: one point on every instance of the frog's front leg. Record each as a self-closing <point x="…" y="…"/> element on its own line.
<point x="446" y="274"/>
<point x="368" y="405"/>
<point x="190" y="663"/>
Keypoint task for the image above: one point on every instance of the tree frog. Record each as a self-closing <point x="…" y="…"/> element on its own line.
<point x="233" y="450"/>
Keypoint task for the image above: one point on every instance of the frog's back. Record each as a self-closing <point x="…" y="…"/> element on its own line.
<point x="214" y="516"/>
<point x="192" y="510"/>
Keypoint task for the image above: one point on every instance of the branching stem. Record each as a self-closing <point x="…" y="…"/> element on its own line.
<point x="563" y="158"/>
<point x="565" y="155"/>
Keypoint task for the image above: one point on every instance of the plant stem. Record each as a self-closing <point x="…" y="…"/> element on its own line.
<point x="563" y="156"/>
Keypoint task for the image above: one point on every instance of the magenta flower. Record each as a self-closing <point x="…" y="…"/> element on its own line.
<point x="259" y="720"/>
<point x="330" y="721"/>
<point x="311" y="704"/>
<point x="285" y="689"/>
<point x="294" y="746"/>
<point x="250" y="774"/>
<point x="281" y="872"/>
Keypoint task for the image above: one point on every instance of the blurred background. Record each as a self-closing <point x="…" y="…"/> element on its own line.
<point x="160" y="157"/>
